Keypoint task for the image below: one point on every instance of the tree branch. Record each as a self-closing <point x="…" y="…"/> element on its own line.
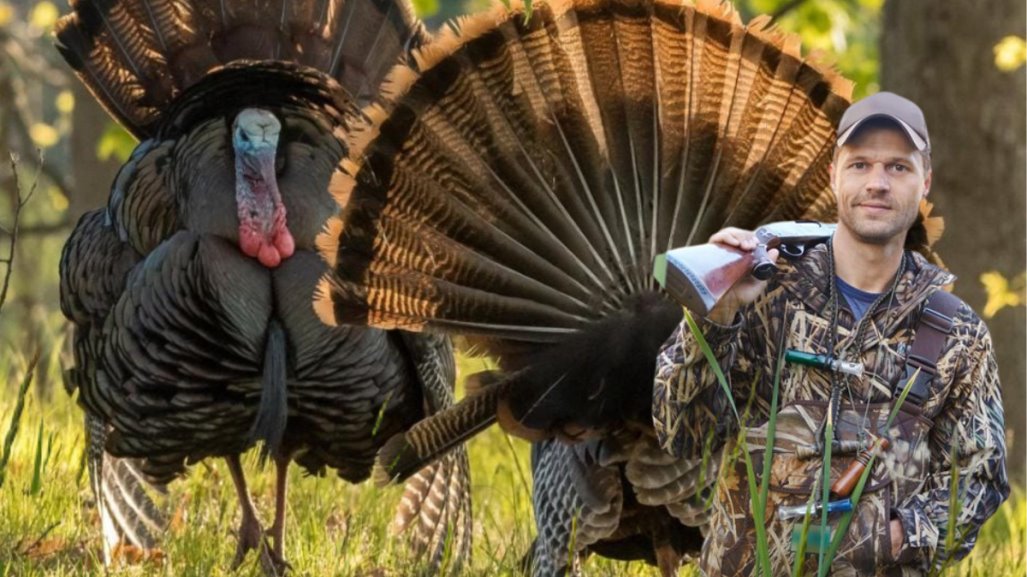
<point x="44" y="229"/>
<point x="18" y="206"/>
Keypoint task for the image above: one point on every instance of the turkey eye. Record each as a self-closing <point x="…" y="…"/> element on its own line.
<point x="245" y="137"/>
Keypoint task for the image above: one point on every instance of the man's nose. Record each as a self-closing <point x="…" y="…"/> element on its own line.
<point x="878" y="179"/>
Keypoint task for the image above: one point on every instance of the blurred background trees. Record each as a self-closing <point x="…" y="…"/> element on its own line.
<point x="962" y="61"/>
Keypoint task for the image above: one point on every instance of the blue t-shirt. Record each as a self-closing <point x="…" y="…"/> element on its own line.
<point x="858" y="301"/>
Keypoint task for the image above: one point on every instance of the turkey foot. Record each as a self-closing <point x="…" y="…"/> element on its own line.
<point x="251" y="534"/>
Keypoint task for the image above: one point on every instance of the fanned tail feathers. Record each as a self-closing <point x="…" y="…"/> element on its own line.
<point x="138" y="56"/>
<point x="527" y="173"/>
<point x="523" y="175"/>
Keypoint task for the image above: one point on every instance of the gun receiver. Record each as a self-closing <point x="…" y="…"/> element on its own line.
<point x="698" y="276"/>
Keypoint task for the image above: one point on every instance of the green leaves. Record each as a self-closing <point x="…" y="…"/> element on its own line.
<point x="846" y="30"/>
<point x="115" y="143"/>
<point x="425" y="8"/>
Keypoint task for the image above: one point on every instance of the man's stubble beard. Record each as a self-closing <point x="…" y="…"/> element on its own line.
<point x="878" y="232"/>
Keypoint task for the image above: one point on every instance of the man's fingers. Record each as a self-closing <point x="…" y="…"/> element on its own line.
<point x="737" y="237"/>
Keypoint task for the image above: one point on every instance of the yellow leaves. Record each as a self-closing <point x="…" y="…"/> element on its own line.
<point x="65" y="102"/>
<point x="6" y="13"/>
<point x="58" y="201"/>
<point x="1010" y="53"/>
<point x="1002" y="292"/>
<point x="44" y="15"/>
<point x="43" y="134"/>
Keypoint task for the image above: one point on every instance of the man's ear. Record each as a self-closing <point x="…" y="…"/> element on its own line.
<point x="927" y="182"/>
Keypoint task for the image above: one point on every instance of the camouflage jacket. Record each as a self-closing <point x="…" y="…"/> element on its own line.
<point x="960" y="425"/>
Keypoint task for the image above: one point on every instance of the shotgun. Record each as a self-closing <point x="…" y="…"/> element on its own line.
<point x="698" y="276"/>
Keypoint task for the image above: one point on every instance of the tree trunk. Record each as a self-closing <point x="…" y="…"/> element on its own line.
<point x="92" y="178"/>
<point x="940" y="55"/>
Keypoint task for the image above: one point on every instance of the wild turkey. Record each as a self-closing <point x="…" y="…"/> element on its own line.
<point x="191" y="291"/>
<point x="516" y="189"/>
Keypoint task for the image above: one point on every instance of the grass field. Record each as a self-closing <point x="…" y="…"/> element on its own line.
<point x="48" y="526"/>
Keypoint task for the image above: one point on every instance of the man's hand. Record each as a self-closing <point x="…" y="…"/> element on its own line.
<point x="746" y="290"/>
<point x="897" y="538"/>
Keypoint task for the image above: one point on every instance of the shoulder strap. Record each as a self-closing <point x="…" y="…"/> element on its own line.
<point x="934" y="326"/>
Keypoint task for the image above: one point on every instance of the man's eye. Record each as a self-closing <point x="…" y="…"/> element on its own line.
<point x="859" y="165"/>
<point x="900" y="168"/>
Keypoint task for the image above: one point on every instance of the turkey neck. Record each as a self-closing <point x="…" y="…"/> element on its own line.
<point x="263" y="233"/>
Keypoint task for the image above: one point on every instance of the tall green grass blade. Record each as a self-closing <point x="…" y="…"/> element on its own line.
<point x="902" y="399"/>
<point x="762" y="548"/>
<point x="955" y="508"/>
<point x="381" y="414"/>
<point x="712" y="360"/>
<point x="517" y="464"/>
<point x="83" y="465"/>
<point x="19" y="406"/>
<point x="37" y="464"/>
<point x="955" y="503"/>
<point x="572" y="543"/>
<point x="756" y="497"/>
<point x="768" y="449"/>
<point x="822" y="567"/>
<point x="760" y="498"/>
<point x="800" y="554"/>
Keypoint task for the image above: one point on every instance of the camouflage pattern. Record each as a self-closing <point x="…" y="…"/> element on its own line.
<point x="961" y="419"/>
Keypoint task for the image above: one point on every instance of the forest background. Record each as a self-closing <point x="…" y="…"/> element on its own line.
<point x="962" y="61"/>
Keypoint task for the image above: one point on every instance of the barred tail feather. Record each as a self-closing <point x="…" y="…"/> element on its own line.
<point x="132" y="510"/>
<point x="435" y="511"/>
<point x="435" y="436"/>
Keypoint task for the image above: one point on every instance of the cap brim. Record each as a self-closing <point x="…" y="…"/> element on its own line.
<point x="915" y="138"/>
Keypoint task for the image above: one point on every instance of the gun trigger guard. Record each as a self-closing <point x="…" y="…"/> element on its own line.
<point x="791" y="251"/>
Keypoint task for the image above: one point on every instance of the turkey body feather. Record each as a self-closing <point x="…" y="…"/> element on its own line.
<point x="191" y="291"/>
<point x="516" y="187"/>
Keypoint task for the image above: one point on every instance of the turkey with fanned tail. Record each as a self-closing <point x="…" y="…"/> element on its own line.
<point x="191" y="290"/>
<point x="516" y="188"/>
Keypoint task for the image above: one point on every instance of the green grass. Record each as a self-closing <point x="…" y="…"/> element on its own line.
<point x="48" y="526"/>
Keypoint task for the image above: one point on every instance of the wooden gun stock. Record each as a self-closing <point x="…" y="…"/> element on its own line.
<point x="698" y="276"/>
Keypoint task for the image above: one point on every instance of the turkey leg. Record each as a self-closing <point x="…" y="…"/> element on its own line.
<point x="277" y="530"/>
<point x="251" y="535"/>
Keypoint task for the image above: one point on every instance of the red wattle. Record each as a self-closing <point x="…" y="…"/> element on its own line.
<point x="250" y="241"/>
<point x="284" y="242"/>
<point x="269" y="256"/>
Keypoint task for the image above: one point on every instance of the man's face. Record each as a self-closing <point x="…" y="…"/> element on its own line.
<point x="878" y="179"/>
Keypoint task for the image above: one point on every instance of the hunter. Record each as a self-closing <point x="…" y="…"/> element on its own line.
<point x="864" y="298"/>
